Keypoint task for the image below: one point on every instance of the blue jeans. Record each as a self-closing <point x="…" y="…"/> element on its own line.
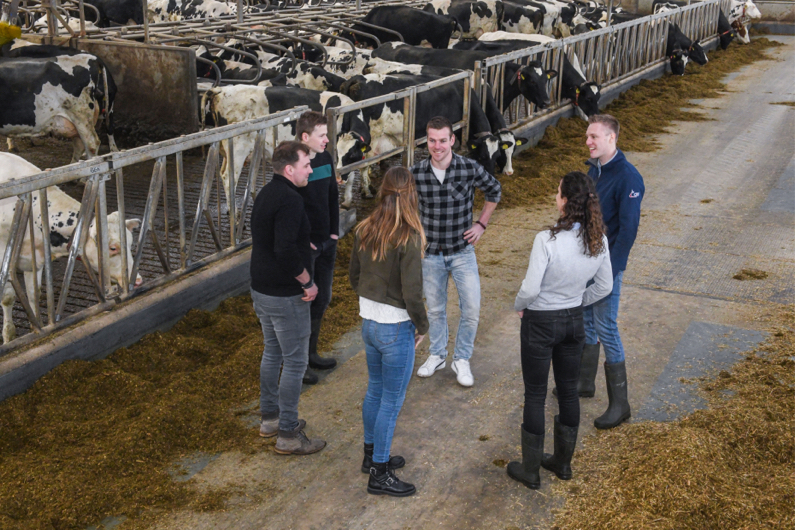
<point x="390" y="361"/>
<point x="463" y="267"/>
<point x="601" y="325"/>
<point x="285" y="330"/>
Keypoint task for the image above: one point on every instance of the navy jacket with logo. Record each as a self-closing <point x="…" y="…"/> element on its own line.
<point x="620" y="188"/>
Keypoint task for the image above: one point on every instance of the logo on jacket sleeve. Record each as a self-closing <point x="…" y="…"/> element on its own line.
<point x="634" y="194"/>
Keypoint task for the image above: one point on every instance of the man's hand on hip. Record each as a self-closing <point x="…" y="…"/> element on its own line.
<point x="310" y="294"/>
<point x="474" y="234"/>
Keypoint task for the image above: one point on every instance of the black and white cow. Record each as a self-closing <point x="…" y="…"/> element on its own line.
<point x="340" y="61"/>
<point x="584" y="95"/>
<point x="63" y="214"/>
<point x="678" y="41"/>
<point x="236" y="103"/>
<point x="174" y="10"/>
<point x="62" y="95"/>
<point x="526" y="18"/>
<point x="119" y="12"/>
<point x="414" y="25"/>
<point x="475" y="17"/>
<point x="725" y="31"/>
<point x="446" y="100"/>
<point x="557" y="17"/>
<point x="741" y="14"/>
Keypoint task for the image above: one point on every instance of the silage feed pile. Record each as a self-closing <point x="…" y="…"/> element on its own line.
<point x="731" y="466"/>
<point x="95" y="439"/>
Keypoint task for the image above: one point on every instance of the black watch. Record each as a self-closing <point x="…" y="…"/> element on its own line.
<point x="307" y="285"/>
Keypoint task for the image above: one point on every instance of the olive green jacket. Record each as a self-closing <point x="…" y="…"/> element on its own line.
<point x="395" y="281"/>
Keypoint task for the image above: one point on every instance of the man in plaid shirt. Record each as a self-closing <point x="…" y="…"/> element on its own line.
<point x="446" y="185"/>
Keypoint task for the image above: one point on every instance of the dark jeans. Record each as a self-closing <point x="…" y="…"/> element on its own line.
<point x="559" y="336"/>
<point x="323" y="273"/>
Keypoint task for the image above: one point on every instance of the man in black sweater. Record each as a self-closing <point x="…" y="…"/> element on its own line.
<point x="282" y="290"/>
<point x="321" y="201"/>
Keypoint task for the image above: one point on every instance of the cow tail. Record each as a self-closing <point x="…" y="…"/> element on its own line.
<point x="203" y="107"/>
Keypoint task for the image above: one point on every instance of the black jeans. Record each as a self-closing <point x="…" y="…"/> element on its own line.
<point x="559" y="336"/>
<point x="323" y="274"/>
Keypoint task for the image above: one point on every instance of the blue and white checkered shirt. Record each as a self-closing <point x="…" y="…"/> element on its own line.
<point x="446" y="208"/>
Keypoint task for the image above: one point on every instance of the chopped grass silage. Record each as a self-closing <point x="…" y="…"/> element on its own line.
<point x="731" y="466"/>
<point x="93" y="439"/>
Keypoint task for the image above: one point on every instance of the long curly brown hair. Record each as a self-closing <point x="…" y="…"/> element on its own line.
<point x="395" y="217"/>
<point x="582" y="206"/>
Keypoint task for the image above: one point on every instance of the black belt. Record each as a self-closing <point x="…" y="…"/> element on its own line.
<point x="572" y="311"/>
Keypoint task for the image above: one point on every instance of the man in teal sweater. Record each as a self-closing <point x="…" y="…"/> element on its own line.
<point x="321" y="202"/>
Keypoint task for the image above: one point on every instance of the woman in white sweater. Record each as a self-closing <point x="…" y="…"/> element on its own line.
<point x="564" y="260"/>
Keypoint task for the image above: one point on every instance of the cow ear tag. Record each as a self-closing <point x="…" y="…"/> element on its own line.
<point x="523" y="78"/>
<point x="505" y="146"/>
<point x="549" y="76"/>
<point x="577" y="90"/>
<point x="364" y="149"/>
<point x="472" y="146"/>
<point x="519" y="142"/>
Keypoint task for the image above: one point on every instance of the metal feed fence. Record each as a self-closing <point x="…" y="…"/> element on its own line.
<point x="177" y="255"/>
<point x="607" y="56"/>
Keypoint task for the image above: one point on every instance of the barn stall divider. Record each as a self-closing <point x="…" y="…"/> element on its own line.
<point x="611" y="56"/>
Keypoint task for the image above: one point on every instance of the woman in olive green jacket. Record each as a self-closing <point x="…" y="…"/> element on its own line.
<point x="386" y="273"/>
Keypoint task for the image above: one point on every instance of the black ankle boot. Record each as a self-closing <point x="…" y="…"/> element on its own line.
<point x="589" y="365"/>
<point x="618" y="408"/>
<point x="384" y="482"/>
<point x="310" y="377"/>
<point x="526" y="471"/>
<point x="565" y="441"/>
<point x="395" y="462"/>
<point x="316" y="361"/>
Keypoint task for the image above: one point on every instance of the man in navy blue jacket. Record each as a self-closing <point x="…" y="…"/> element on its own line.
<point x="620" y="189"/>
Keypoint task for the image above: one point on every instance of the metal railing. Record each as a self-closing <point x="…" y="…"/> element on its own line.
<point x="175" y="257"/>
<point x="606" y="56"/>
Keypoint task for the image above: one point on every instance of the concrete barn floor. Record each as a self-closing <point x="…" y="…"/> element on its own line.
<point x="720" y="198"/>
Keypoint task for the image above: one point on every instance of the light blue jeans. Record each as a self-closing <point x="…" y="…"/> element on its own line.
<point x="390" y="362"/>
<point x="601" y="324"/>
<point x="463" y="267"/>
<point x="285" y="330"/>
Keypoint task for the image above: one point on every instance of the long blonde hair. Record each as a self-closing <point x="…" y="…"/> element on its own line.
<point x="395" y="217"/>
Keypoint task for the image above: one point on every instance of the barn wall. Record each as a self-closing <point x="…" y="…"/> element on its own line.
<point x="157" y="97"/>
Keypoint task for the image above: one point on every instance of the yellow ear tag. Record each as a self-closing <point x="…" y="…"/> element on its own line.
<point x="519" y="142"/>
<point x="364" y="149"/>
<point x="505" y="146"/>
<point x="578" y="90"/>
<point x="523" y="77"/>
<point x="549" y="76"/>
<point x="472" y="146"/>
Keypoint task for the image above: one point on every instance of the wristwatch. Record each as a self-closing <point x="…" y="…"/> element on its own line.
<point x="307" y="285"/>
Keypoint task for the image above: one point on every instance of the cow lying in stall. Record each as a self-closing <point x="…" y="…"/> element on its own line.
<point x="415" y="26"/>
<point x="232" y="104"/>
<point x="63" y="212"/>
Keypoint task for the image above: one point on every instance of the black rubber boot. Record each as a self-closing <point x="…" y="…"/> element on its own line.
<point x="618" y="409"/>
<point x="316" y="361"/>
<point x="395" y="462"/>
<point x="384" y="482"/>
<point x="565" y="441"/>
<point x="526" y="471"/>
<point x="589" y="365"/>
<point x="310" y="377"/>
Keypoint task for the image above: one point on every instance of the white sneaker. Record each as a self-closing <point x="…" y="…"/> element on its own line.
<point x="433" y="364"/>
<point x="462" y="372"/>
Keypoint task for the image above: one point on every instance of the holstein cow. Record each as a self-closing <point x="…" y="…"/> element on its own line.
<point x="584" y="95"/>
<point x="742" y="13"/>
<point x="415" y="26"/>
<point x="63" y="213"/>
<point x="62" y="95"/>
<point x="236" y="103"/>
<point x="556" y="18"/>
<point x="475" y="17"/>
<point x="679" y="48"/>
<point x="174" y="10"/>
<point x="118" y="11"/>
<point x="725" y="31"/>
<point x="348" y="67"/>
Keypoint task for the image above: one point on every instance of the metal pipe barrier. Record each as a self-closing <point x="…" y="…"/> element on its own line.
<point x="27" y="235"/>
<point x="607" y="56"/>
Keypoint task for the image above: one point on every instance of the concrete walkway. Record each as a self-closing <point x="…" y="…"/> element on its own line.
<point x="719" y="199"/>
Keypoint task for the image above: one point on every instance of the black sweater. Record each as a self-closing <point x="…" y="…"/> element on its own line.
<point x="280" y="239"/>
<point x="321" y="199"/>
